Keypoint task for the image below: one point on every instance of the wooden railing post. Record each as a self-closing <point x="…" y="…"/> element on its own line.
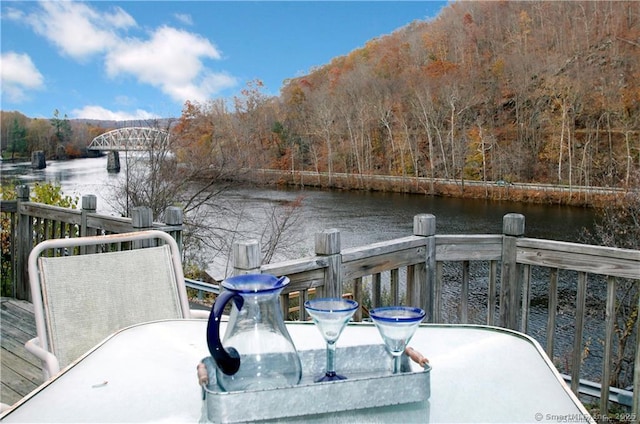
<point x="328" y="246"/>
<point x="173" y="216"/>
<point x="141" y="219"/>
<point x="422" y="291"/>
<point x="247" y="258"/>
<point x="24" y="239"/>
<point x="512" y="228"/>
<point x="89" y="205"/>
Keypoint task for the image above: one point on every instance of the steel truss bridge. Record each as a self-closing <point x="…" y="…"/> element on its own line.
<point x="130" y="139"/>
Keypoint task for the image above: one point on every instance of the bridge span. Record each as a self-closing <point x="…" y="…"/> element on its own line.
<point x="127" y="139"/>
<point x="130" y="138"/>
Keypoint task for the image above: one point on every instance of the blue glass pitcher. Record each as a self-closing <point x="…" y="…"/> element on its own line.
<point x="258" y="352"/>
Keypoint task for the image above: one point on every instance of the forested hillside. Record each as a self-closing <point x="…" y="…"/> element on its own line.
<point x="536" y="91"/>
<point x="520" y="91"/>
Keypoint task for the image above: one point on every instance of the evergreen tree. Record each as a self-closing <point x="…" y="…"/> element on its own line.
<point x="62" y="130"/>
<point x="18" y="137"/>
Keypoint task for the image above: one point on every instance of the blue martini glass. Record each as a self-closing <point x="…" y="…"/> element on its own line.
<point x="331" y="315"/>
<point x="396" y="325"/>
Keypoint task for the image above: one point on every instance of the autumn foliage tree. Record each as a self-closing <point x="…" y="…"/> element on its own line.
<point x="552" y="85"/>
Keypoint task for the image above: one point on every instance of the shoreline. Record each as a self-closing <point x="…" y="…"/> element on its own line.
<point x="532" y="193"/>
<point x="577" y="196"/>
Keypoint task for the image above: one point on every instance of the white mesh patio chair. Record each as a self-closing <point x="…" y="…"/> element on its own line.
<point x="79" y="300"/>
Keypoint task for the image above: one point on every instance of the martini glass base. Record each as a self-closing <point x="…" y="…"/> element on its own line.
<point x="330" y="376"/>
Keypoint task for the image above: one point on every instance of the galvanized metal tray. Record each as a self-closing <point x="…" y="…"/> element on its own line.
<point x="370" y="384"/>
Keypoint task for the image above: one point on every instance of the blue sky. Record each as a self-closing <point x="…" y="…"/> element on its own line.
<point x="144" y="59"/>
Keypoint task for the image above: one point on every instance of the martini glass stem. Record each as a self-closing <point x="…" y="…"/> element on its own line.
<point x="331" y="364"/>
<point x="396" y="364"/>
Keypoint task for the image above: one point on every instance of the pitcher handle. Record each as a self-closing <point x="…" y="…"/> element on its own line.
<point x="228" y="360"/>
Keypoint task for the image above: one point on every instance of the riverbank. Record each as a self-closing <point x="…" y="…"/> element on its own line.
<point x="530" y="193"/>
<point x="578" y="196"/>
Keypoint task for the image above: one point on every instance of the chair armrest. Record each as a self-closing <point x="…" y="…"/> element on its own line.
<point x="199" y="313"/>
<point x="49" y="360"/>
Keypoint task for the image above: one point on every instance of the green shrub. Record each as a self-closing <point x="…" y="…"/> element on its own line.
<point x="47" y="193"/>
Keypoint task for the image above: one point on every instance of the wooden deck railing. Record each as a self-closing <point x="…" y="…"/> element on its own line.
<point x="31" y="223"/>
<point x="421" y="258"/>
<point x="416" y="270"/>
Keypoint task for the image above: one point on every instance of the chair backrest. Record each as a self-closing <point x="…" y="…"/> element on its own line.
<point x="79" y="300"/>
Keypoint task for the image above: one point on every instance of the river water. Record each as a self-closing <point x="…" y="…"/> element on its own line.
<point x="367" y="217"/>
<point x="362" y="217"/>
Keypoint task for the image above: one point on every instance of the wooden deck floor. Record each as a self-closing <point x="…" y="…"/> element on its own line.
<point x="20" y="371"/>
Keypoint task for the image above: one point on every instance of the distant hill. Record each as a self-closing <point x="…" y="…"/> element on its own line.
<point x="161" y="123"/>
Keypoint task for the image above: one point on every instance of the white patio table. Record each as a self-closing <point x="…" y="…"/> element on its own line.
<point x="147" y="373"/>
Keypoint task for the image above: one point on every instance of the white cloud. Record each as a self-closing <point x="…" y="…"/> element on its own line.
<point x="119" y="19"/>
<point x="13" y="14"/>
<point x="172" y="60"/>
<point x="185" y="18"/>
<point x="169" y="59"/>
<point x="18" y="74"/>
<point x="77" y="29"/>
<point x="100" y="113"/>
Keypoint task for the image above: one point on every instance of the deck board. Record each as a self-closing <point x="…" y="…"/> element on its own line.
<point x="20" y="371"/>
